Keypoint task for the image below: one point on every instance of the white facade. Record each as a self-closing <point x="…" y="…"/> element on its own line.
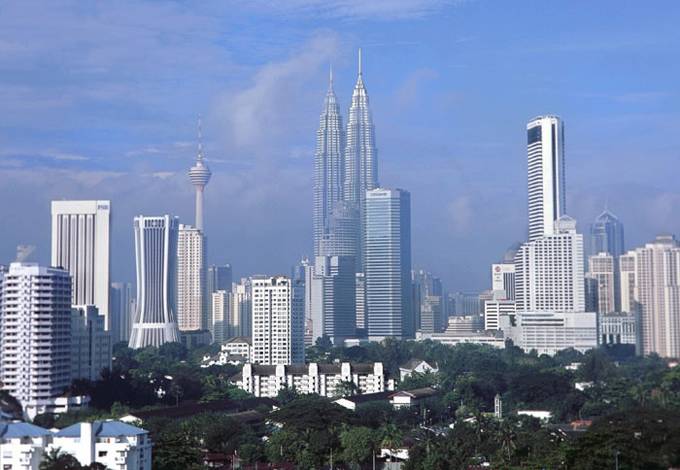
<point x="549" y="271"/>
<point x="278" y="321"/>
<point x="322" y="379"/>
<point x="156" y="306"/>
<point x="652" y="275"/>
<point x="219" y="325"/>
<point x="545" y="165"/>
<point x="601" y="267"/>
<point x="620" y="328"/>
<point x="549" y="332"/>
<point x="238" y="347"/>
<point x="192" y="308"/>
<point x="81" y="241"/>
<point x="387" y="258"/>
<point x="503" y="279"/>
<point x="493" y="309"/>
<point x="333" y="298"/>
<point x="90" y="343"/>
<point x="464" y="338"/>
<point x="114" y="444"/>
<point x="35" y="326"/>
<point x="22" y="446"/>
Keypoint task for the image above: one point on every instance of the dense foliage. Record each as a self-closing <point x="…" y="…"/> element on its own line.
<point x="634" y="403"/>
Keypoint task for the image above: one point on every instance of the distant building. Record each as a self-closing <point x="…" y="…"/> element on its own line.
<point x="156" y="306"/>
<point x="503" y="279"/>
<point x="606" y="235"/>
<point x="90" y="344"/>
<point x="81" y="238"/>
<point x="111" y="443"/>
<point x="334" y="297"/>
<point x="418" y="366"/>
<point x="549" y="271"/>
<point x="452" y="339"/>
<point x="620" y="328"/>
<point x="35" y="333"/>
<point x="463" y="304"/>
<point x="192" y="277"/>
<point x="550" y="332"/>
<point x="545" y="168"/>
<point x="322" y="379"/>
<point x="278" y="321"/>
<point x="411" y="398"/>
<point x="650" y="284"/>
<point x="240" y="313"/>
<point x="494" y="309"/>
<point x="601" y="268"/>
<point x="122" y="311"/>
<point x="387" y="260"/>
<point x="218" y="278"/>
<point x="221" y="310"/>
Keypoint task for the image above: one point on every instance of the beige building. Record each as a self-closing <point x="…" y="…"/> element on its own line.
<point x="192" y="304"/>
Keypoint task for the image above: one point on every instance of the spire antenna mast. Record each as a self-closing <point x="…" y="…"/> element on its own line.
<point x="359" y="61"/>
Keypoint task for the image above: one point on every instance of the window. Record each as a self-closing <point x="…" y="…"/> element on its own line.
<point x="102" y="453"/>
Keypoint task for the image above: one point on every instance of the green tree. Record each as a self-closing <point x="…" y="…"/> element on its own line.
<point x="359" y="445"/>
<point x="55" y="459"/>
<point x="391" y="438"/>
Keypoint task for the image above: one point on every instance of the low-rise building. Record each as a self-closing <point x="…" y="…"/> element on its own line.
<point x="323" y="379"/>
<point x="488" y="338"/>
<point x="114" y="444"/>
<point x="22" y="445"/>
<point x="351" y="402"/>
<point x="419" y="366"/>
<point x="620" y="328"/>
<point x="408" y="398"/>
<point x="550" y="332"/>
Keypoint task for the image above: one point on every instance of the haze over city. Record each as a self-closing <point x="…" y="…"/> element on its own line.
<point x="101" y="101"/>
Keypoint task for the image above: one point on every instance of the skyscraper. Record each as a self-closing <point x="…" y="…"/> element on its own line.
<point x="81" y="244"/>
<point x="606" y="235"/>
<point x="601" y="269"/>
<point x="156" y="306"/>
<point x="278" y="321"/>
<point x="192" y="308"/>
<point x="388" y="264"/>
<point x="241" y="311"/>
<point x="199" y="175"/>
<point x="35" y="333"/>
<point x="334" y="298"/>
<point x="549" y="271"/>
<point x="655" y="290"/>
<point x="329" y="166"/>
<point x="545" y="162"/>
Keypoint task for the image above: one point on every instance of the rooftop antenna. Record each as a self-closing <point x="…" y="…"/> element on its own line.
<point x="359" y="61"/>
<point x="330" y="72"/>
<point x="200" y="139"/>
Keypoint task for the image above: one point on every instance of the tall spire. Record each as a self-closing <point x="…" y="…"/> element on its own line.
<point x="199" y="175"/>
<point x="359" y="61"/>
<point x="330" y="73"/>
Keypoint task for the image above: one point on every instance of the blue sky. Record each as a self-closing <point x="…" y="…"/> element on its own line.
<point x="100" y="100"/>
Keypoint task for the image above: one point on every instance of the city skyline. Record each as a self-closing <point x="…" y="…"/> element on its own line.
<point x="435" y="135"/>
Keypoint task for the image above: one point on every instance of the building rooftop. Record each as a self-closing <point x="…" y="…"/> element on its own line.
<point x="15" y="430"/>
<point x="103" y="429"/>
<point x="187" y="409"/>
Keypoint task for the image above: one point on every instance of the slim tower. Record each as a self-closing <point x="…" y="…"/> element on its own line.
<point x="545" y="163"/>
<point x="329" y="165"/>
<point x="81" y="244"/>
<point x="156" y="307"/>
<point x="199" y="175"/>
<point x="192" y="308"/>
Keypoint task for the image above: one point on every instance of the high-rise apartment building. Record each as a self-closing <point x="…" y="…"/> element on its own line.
<point x="601" y="269"/>
<point x="35" y="333"/>
<point x="334" y="298"/>
<point x="221" y="307"/>
<point x="549" y="271"/>
<point x="545" y="158"/>
<point x="122" y="311"/>
<point x="219" y="278"/>
<point x="329" y="167"/>
<point x="156" y="306"/>
<point x="655" y="275"/>
<point x="81" y="244"/>
<point x="241" y="312"/>
<point x="278" y="321"/>
<point x="388" y="264"/>
<point x="192" y="304"/>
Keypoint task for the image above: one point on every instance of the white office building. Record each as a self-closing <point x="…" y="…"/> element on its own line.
<point x="333" y="298"/>
<point x="550" y="332"/>
<point x="35" y="327"/>
<point x="278" y="321"/>
<point x="192" y="304"/>
<point x="620" y="328"/>
<point x="114" y="444"/>
<point x="494" y="309"/>
<point x="650" y="285"/>
<point x="81" y="240"/>
<point x="545" y="165"/>
<point x="601" y="268"/>
<point x="156" y="306"/>
<point x="387" y="258"/>
<point x="549" y="271"/>
<point x="503" y="279"/>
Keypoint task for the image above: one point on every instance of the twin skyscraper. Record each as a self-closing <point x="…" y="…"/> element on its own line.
<point x="362" y="243"/>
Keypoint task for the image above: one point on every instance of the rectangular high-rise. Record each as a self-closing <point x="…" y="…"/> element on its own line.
<point x="334" y="298"/>
<point x="278" y="321"/>
<point x="192" y="304"/>
<point x="122" y="311"/>
<point x="81" y="244"/>
<point x="545" y="165"/>
<point x="387" y="261"/>
<point x="35" y="333"/>
<point x="601" y="268"/>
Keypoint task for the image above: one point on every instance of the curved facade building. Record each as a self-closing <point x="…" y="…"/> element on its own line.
<point x="156" y="254"/>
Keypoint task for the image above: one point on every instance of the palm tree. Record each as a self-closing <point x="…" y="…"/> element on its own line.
<point x="391" y="437"/>
<point x="55" y="459"/>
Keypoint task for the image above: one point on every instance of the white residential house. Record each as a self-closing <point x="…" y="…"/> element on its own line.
<point x="419" y="366"/>
<point x="114" y="444"/>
